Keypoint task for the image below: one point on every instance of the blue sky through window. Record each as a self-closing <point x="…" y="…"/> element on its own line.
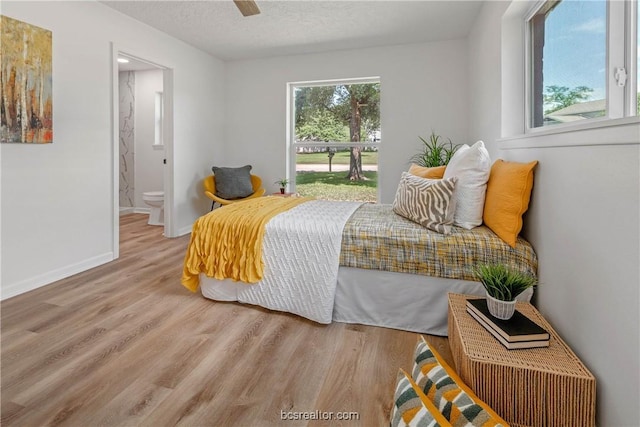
<point x="575" y="46"/>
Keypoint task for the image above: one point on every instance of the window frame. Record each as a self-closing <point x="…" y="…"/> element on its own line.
<point x="158" y="135"/>
<point x="621" y="43"/>
<point x="632" y="52"/>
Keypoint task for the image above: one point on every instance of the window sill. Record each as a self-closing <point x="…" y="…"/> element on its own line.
<point x="549" y="137"/>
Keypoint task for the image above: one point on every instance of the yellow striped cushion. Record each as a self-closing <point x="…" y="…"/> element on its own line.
<point x="412" y="408"/>
<point x="454" y="399"/>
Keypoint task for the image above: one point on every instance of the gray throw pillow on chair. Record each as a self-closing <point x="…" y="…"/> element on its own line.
<point x="233" y="183"/>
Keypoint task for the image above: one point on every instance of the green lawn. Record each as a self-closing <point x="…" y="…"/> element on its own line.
<point x="334" y="186"/>
<point x="341" y="157"/>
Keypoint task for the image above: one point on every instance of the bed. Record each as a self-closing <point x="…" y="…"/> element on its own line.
<point x="359" y="263"/>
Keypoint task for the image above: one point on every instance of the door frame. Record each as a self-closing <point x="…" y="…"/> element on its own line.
<point x="167" y="130"/>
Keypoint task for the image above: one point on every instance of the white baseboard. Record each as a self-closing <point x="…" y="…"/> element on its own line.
<point x="141" y="210"/>
<point x="185" y="230"/>
<point x="53" y="276"/>
<point x="124" y="211"/>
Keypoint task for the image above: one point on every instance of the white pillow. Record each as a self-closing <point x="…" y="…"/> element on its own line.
<point x="471" y="165"/>
<point x="426" y="201"/>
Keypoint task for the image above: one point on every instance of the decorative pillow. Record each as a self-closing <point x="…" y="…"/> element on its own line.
<point x="508" y="195"/>
<point x="455" y="400"/>
<point x="412" y="408"/>
<point x="426" y="201"/>
<point x="233" y="183"/>
<point x="436" y="172"/>
<point x="472" y="166"/>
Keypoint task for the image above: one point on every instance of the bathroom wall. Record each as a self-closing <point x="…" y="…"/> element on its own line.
<point x="149" y="173"/>
<point x="126" y="80"/>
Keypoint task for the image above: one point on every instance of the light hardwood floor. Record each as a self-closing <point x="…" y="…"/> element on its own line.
<point x="126" y="344"/>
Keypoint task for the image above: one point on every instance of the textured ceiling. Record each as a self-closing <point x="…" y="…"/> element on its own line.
<point x="296" y="27"/>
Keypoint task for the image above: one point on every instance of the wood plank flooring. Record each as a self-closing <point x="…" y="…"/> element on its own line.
<point x="126" y="344"/>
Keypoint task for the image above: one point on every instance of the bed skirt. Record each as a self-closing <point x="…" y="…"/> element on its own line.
<point x="403" y="301"/>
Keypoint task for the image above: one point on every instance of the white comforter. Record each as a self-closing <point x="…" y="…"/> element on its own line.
<point x="301" y="251"/>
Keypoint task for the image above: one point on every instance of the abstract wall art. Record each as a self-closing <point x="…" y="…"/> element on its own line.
<point x="26" y="104"/>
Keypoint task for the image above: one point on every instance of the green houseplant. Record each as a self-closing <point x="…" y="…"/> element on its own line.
<point x="503" y="284"/>
<point x="435" y="151"/>
<point x="283" y="184"/>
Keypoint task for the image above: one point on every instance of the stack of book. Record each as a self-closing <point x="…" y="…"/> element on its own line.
<point x="517" y="332"/>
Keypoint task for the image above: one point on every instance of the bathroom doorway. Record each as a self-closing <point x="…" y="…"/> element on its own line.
<point x="143" y="130"/>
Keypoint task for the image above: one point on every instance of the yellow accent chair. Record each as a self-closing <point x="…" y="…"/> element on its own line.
<point x="210" y="190"/>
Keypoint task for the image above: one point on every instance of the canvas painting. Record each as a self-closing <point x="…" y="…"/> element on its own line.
<point x="26" y="106"/>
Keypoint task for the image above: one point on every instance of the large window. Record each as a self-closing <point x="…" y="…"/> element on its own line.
<point x="582" y="61"/>
<point x="334" y="139"/>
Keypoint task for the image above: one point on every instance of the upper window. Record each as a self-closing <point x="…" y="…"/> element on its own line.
<point x="159" y="117"/>
<point x="579" y="66"/>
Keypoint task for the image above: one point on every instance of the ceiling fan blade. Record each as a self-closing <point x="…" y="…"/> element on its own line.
<point x="247" y="7"/>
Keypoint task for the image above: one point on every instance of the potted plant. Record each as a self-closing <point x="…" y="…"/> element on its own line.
<point x="435" y="151"/>
<point x="503" y="285"/>
<point x="283" y="184"/>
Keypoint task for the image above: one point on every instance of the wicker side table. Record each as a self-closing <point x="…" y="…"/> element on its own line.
<point x="528" y="387"/>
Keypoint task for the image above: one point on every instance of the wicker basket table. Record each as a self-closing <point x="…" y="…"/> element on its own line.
<point x="527" y="387"/>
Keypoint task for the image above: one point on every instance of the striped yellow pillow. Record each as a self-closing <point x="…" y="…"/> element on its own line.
<point x="454" y="399"/>
<point x="412" y="408"/>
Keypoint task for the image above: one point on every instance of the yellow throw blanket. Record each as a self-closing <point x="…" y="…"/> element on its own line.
<point x="227" y="242"/>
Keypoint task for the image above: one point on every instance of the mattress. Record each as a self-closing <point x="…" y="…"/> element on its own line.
<point x="375" y="238"/>
<point x="389" y="272"/>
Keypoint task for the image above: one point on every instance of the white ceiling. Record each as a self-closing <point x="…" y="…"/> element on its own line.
<point x="297" y="27"/>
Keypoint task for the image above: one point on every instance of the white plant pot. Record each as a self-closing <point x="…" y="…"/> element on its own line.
<point x="500" y="309"/>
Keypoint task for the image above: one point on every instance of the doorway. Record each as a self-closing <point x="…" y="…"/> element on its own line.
<point x="142" y="141"/>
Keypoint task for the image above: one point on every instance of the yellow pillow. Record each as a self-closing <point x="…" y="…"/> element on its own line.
<point x="424" y="172"/>
<point x="507" y="198"/>
<point x="453" y="398"/>
<point x="411" y="407"/>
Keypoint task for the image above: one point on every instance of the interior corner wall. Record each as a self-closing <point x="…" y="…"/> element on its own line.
<point x="423" y="87"/>
<point x="485" y="77"/>
<point x="57" y="205"/>
<point x="583" y="222"/>
<point x="149" y="168"/>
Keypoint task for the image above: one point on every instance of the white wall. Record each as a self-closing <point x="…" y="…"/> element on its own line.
<point x="149" y="172"/>
<point x="583" y="222"/>
<point x="485" y="75"/>
<point x="423" y="87"/>
<point x="58" y="199"/>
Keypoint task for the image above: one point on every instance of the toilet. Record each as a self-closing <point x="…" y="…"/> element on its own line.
<point x="155" y="199"/>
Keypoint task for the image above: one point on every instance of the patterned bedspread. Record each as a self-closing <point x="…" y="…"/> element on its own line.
<point x="375" y="238"/>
